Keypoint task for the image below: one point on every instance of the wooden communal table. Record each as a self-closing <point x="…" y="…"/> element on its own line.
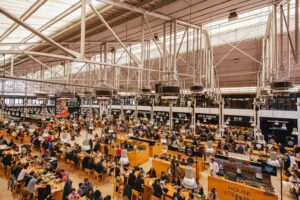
<point x="155" y="148"/>
<point x="162" y="165"/>
<point x="56" y="187"/>
<point x="199" y="159"/>
<point x="227" y="189"/>
<point x="148" y="190"/>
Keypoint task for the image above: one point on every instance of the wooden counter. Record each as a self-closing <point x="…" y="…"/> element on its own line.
<point x="138" y="157"/>
<point x="199" y="159"/>
<point x="230" y="190"/>
<point x="155" y="150"/>
<point x="3" y="132"/>
<point x="148" y="190"/>
<point x="162" y="165"/>
<point x="154" y="147"/>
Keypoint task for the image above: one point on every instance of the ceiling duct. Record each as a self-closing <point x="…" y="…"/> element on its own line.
<point x="41" y="96"/>
<point x="66" y="95"/>
<point x="282" y="85"/>
<point x="232" y="16"/>
<point x="196" y="88"/>
<point x="103" y="94"/>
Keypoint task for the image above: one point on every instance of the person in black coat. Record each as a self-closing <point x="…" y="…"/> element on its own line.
<point x="67" y="188"/>
<point x="151" y="173"/>
<point x="139" y="181"/>
<point x="7" y="160"/>
<point x="85" y="162"/>
<point x="131" y="179"/>
<point x="117" y="171"/>
<point x="157" y="190"/>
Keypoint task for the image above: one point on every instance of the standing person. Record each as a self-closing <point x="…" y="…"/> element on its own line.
<point x="73" y="195"/>
<point x="31" y="185"/>
<point x="67" y="187"/>
<point x="59" y="130"/>
<point x="91" y="143"/>
<point x="213" y="167"/>
<point x="212" y="195"/>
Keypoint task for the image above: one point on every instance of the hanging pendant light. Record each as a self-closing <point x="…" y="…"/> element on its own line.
<point x="204" y="120"/>
<point x="295" y="131"/>
<point x="198" y="123"/>
<point x="155" y="126"/>
<point x="276" y="123"/>
<point x="168" y="123"/>
<point x="177" y="121"/>
<point x="283" y="127"/>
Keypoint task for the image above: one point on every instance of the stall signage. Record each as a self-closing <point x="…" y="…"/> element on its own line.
<point x="233" y="190"/>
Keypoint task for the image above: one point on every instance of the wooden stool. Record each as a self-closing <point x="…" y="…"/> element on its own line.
<point x="17" y="188"/>
<point x="119" y="188"/>
<point x="134" y="194"/>
<point x="88" y="173"/>
<point x="2" y="171"/>
<point x="105" y="177"/>
<point x="154" y="198"/>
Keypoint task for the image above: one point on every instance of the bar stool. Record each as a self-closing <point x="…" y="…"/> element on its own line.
<point x="134" y="194"/>
<point x="118" y="188"/>
<point x="154" y="198"/>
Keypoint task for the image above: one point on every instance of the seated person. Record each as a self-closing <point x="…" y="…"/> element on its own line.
<point x="157" y="190"/>
<point x="151" y="173"/>
<point x="164" y="177"/>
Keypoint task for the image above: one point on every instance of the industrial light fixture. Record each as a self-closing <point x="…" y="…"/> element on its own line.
<point x="283" y="127"/>
<point x="168" y="123"/>
<point x="176" y="121"/>
<point x="295" y="131"/>
<point x="232" y="16"/>
<point x="204" y="120"/>
<point x="276" y="123"/>
<point x="198" y="123"/>
<point x="155" y="126"/>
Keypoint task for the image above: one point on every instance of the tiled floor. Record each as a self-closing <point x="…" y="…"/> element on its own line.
<point x="107" y="188"/>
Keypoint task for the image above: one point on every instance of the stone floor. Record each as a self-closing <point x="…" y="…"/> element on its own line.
<point x="107" y="188"/>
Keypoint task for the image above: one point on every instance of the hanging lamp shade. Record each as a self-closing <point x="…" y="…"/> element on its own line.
<point x="283" y="127"/>
<point x="295" y="131"/>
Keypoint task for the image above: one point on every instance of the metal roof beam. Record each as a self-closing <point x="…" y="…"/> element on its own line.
<point x="36" y="32"/>
<point x="146" y="12"/>
<point x="25" y="16"/>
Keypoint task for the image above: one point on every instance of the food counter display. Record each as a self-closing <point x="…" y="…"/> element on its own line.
<point x="163" y="163"/>
<point x="171" y="189"/>
<point x="245" y="178"/>
<point x="197" y="155"/>
<point x="139" y="154"/>
<point x="227" y="189"/>
<point x="155" y="148"/>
